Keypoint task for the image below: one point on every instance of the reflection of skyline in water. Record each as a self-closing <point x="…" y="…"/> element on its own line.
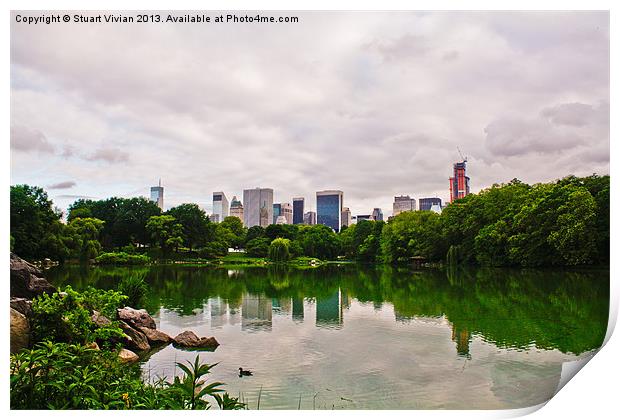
<point x="257" y="311"/>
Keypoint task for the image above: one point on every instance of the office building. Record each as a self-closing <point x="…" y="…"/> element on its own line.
<point x="310" y="218"/>
<point x="258" y="207"/>
<point x="286" y="210"/>
<point x="436" y="208"/>
<point x="402" y="203"/>
<point x="361" y="217"/>
<point x="329" y="208"/>
<point x="157" y="195"/>
<point x="377" y="214"/>
<point x="298" y="210"/>
<point x="276" y="211"/>
<point x="345" y="217"/>
<point x="427" y="203"/>
<point x="236" y="208"/>
<point x="281" y="220"/>
<point x="220" y="207"/>
<point x="459" y="181"/>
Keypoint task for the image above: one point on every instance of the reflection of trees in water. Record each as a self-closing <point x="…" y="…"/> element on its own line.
<point x="563" y="309"/>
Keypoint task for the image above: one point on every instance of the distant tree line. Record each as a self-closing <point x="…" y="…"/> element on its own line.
<point x="515" y="224"/>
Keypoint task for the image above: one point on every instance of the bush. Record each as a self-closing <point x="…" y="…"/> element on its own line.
<point x="213" y="250"/>
<point x="66" y="317"/>
<point x="68" y="376"/>
<point x="135" y="288"/>
<point x="122" y="258"/>
<point x="279" y="250"/>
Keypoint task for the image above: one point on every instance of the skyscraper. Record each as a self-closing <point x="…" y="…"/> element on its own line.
<point x="310" y="218"/>
<point x="329" y="208"/>
<point x="377" y="214"/>
<point x="427" y="203"/>
<point x="236" y="208"/>
<point x="286" y="210"/>
<point x="220" y="207"/>
<point x="258" y="207"/>
<point x="459" y="182"/>
<point x="298" y="210"/>
<point x="277" y="210"/>
<point x="157" y="195"/>
<point x="345" y="217"/>
<point x="403" y="203"/>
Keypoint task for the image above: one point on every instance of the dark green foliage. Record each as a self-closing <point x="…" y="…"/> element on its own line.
<point x="319" y="241"/>
<point x="66" y="316"/>
<point x="194" y="222"/>
<point x="231" y="228"/>
<point x="253" y="233"/>
<point x="122" y="258"/>
<point x="257" y="247"/>
<point x="279" y="250"/>
<point x="35" y="225"/>
<point x="125" y="218"/>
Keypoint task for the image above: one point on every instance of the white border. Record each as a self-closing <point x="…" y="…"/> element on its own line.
<point x="592" y="394"/>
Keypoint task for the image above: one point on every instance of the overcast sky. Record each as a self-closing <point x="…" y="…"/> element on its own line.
<point x="373" y="104"/>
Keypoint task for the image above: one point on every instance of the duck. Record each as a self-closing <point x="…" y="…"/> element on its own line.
<point x="244" y="372"/>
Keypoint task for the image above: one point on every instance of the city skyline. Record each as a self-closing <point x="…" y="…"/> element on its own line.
<point x="376" y="106"/>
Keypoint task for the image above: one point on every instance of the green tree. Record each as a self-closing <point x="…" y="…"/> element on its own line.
<point x="235" y="229"/>
<point x="165" y="232"/>
<point x="35" y="224"/>
<point x="85" y="241"/>
<point x="195" y="223"/>
<point x="319" y="241"/>
<point x="279" y="250"/>
<point x="257" y="247"/>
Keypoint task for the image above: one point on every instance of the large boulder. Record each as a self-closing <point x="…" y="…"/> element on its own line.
<point x="134" y="339"/>
<point x="22" y="305"/>
<point x="156" y="337"/>
<point x="27" y="280"/>
<point x="187" y="339"/>
<point x="136" y="317"/>
<point x="20" y="331"/>
<point x="127" y="356"/>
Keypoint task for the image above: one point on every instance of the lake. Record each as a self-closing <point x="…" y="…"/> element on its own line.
<point x="373" y="337"/>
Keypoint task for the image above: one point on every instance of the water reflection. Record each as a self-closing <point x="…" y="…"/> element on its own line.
<point x="379" y="337"/>
<point x="566" y="310"/>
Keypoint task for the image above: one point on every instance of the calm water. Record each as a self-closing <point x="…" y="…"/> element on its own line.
<point x="374" y="337"/>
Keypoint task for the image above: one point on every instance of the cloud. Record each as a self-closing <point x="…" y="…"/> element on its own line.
<point x="62" y="185"/>
<point x="29" y="140"/>
<point x="110" y="155"/>
<point x="555" y="130"/>
<point x="374" y="104"/>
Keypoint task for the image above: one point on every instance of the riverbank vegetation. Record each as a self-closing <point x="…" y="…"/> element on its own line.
<point x="75" y="363"/>
<point x="562" y="223"/>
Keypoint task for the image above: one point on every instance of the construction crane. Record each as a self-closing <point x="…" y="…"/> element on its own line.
<point x="462" y="157"/>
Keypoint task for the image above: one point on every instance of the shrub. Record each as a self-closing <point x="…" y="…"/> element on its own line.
<point x="69" y="376"/>
<point x="122" y="258"/>
<point x="66" y="316"/>
<point x="135" y="288"/>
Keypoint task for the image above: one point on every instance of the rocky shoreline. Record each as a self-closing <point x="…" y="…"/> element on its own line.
<point x="140" y="331"/>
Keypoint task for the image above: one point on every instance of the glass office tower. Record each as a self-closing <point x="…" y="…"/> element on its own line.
<point x="329" y="208"/>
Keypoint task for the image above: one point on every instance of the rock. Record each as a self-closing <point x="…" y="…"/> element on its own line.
<point x="134" y="339"/>
<point x="136" y="317"/>
<point x="156" y="337"/>
<point x="187" y="339"/>
<point x="21" y="305"/>
<point x="93" y="346"/>
<point x="127" y="356"/>
<point x="26" y="280"/>
<point x="100" y="320"/>
<point x="20" y="331"/>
